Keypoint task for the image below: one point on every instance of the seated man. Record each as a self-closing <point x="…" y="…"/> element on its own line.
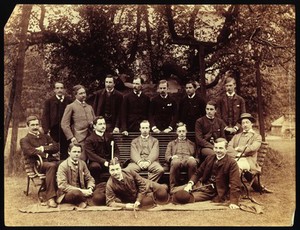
<point x="144" y="154"/>
<point x="98" y="149"/>
<point x="36" y="143"/>
<point x="244" y="146"/>
<point x="180" y="154"/>
<point x="216" y="179"/>
<point x="127" y="189"/>
<point x="207" y="129"/>
<point x="75" y="183"/>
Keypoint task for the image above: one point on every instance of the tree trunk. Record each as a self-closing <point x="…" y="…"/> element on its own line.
<point x="259" y="98"/>
<point x="202" y="72"/>
<point x="17" y="87"/>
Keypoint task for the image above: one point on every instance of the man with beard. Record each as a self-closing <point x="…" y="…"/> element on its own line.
<point x="163" y="110"/>
<point x="78" y="119"/>
<point x="135" y="107"/>
<point x="107" y="103"/>
<point x="54" y="108"/>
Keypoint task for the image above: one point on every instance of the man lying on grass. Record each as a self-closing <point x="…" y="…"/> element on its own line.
<point x="127" y="189"/>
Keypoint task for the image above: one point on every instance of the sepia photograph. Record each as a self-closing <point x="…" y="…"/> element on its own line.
<point x="149" y="115"/>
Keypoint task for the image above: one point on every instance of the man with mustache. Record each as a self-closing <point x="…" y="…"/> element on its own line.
<point x="36" y="143"/>
<point x="78" y="118"/>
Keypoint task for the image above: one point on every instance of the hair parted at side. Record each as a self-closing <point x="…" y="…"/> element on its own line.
<point x="97" y="118"/>
<point x="31" y="118"/>
<point x="213" y="103"/>
<point x="76" y="88"/>
<point x="221" y="139"/>
<point x="71" y="145"/>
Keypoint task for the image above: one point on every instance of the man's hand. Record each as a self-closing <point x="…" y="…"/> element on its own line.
<point x="137" y="204"/>
<point x="41" y="148"/>
<point x="156" y="130"/>
<point x="188" y="187"/>
<point x="87" y="192"/>
<point x="174" y="157"/>
<point x="106" y="164"/>
<point x="146" y="164"/>
<point x="74" y="140"/>
<point x="116" y="130"/>
<point x="167" y="130"/>
<point x="125" y="133"/>
<point x="233" y="206"/>
<point x="191" y="157"/>
<point x="129" y="206"/>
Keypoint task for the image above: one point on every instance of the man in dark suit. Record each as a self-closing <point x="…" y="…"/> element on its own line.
<point x="135" y="107"/>
<point x="191" y="107"/>
<point x="54" y="108"/>
<point x="163" y="110"/>
<point x="36" y="143"/>
<point x="107" y="103"/>
<point x="99" y="150"/>
<point x="231" y="106"/>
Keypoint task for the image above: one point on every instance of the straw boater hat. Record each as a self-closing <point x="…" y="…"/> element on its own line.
<point x="161" y="196"/>
<point x="247" y="116"/>
<point x="183" y="197"/>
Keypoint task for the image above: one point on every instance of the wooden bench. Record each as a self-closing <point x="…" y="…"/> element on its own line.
<point x="124" y="142"/>
<point x="32" y="166"/>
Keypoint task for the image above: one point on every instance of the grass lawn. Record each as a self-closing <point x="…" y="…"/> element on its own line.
<point x="278" y="207"/>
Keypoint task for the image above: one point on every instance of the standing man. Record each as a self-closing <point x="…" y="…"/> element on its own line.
<point x="54" y="108"/>
<point x="144" y="153"/>
<point x="98" y="149"/>
<point x="107" y="103"/>
<point x="244" y="146"/>
<point x="78" y="119"/>
<point x="36" y="143"/>
<point x="216" y="179"/>
<point x="135" y="107"/>
<point x="180" y="154"/>
<point x="231" y="106"/>
<point x="127" y="189"/>
<point x="207" y="129"/>
<point x="191" y="107"/>
<point x="163" y="110"/>
<point x="75" y="183"/>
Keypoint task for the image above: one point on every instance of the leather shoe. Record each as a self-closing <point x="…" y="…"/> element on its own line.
<point x="266" y="190"/>
<point x="82" y="205"/>
<point x="52" y="203"/>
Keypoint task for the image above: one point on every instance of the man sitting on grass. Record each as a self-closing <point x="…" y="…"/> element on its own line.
<point x="75" y="183"/>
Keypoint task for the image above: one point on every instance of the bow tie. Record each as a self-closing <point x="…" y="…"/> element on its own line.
<point x="74" y="162"/>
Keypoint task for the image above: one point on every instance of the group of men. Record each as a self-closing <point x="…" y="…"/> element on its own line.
<point x="225" y="145"/>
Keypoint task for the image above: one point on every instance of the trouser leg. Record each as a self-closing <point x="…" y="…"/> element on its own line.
<point x="155" y="171"/>
<point x="50" y="169"/>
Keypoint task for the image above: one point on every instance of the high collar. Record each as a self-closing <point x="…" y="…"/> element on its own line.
<point x="230" y="95"/>
<point x="190" y="97"/>
<point x="164" y="97"/>
<point x="100" y="134"/>
<point x="209" y="117"/>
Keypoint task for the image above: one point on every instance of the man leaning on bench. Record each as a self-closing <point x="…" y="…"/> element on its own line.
<point x="160" y="167"/>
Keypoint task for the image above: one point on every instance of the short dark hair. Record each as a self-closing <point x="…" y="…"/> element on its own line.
<point x="111" y="76"/>
<point x="180" y="124"/>
<point x="229" y="79"/>
<point x="192" y="82"/>
<point x="76" y="88"/>
<point x="97" y="118"/>
<point x="71" y="145"/>
<point x="212" y="102"/>
<point x="221" y="139"/>
<point x="31" y="118"/>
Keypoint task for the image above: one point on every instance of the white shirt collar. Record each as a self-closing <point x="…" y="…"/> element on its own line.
<point x="80" y="102"/>
<point x="230" y="95"/>
<point x="145" y="136"/>
<point x="192" y="96"/>
<point x="221" y="157"/>
<point x="138" y="93"/>
<point x="164" y="96"/>
<point x="62" y="97"/>
<point x="99" y="133"/>
<point x="210" y="117"/>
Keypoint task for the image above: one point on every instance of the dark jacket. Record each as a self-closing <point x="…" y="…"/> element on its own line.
<point x="227" y="177"/>
<point x="190" y="109"/>
<point x="163" y="112"/>
<point x="205" y="129"/>
<point x="116" y="102"/>
<point x="238" y="108"/>
<point x="30" y="142"/>
<point x="134" y="110"/>
<point x="52" y="115"/>
<point x="98" y="149"/>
